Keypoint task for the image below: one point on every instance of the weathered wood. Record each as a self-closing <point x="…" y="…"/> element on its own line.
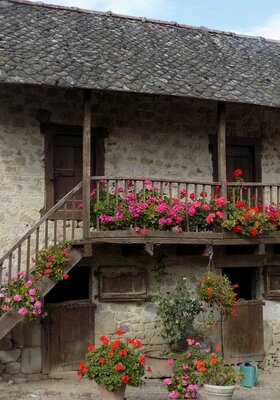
<point x="221" y="141"/>
<point x="141" y="179"/>
<point x="86" y="163"/>
<point x="88" y="250"/>
<point x="149" y="248"/>
<point x="247" y="340"/>
<point x="67" y="332"/>
<point x="46" y="216"/>
<point x="9" y="320"/>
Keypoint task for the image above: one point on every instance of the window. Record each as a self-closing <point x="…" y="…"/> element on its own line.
<point x="124" y="283"/>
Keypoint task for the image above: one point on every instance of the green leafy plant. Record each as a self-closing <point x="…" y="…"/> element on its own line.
<point x="218" y="293"/>
<point x="177" y="311"/>
<point x="248" y="221"/>
<point x="21" y="294"/>
<point x="196" y="367"/>
<point x="123" y="208"/>
<point x="114" y="363"/>
<point x="51" y="261"/>
<point x="214" y="372"/>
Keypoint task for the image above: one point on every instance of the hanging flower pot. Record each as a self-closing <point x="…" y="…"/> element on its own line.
<point x="217" y="292"/>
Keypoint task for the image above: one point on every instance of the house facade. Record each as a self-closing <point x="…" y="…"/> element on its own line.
<point x="97" y="97"/>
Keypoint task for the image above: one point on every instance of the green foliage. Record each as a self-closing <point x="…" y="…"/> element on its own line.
<point x="23" y="295"/>
<point x="248" y="221"/>
<point x="114" y="363"/>
<point x="218" y="293"/>
<point x="186" y="362"/>
<point x="214" y="372"/>
<point x="51" y="261"/>
<point x="22" y="292"/>
<point x="177" y="311"/>
<point x="199" y="366"/>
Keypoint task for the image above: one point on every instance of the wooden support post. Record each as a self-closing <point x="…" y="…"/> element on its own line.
<point x="221" y="141"/>
<point x="86" y="163"/>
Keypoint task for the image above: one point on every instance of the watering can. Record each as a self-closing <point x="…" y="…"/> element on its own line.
<point x="250" y="371"/>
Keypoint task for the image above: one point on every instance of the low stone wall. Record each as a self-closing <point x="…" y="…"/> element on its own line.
<point x="20" y="353"/>
<point x="272" y="344"/>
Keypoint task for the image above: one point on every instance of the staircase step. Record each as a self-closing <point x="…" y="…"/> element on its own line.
<point x="9" y="320"/>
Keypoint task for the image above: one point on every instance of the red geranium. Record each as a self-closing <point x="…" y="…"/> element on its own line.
<point x="238" y="172"/>
<point x="114" y="363"/>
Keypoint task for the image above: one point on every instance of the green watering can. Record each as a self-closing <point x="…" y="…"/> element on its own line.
<point x="251" y="372"/>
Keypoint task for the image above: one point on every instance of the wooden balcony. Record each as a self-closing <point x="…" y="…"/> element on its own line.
<point x="128" y="210"/>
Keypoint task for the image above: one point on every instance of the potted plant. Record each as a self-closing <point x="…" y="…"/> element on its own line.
<point x="219" y="380"/>
<point x="184" y="383"/>
<point x="217" y="292"/>
<point x="113" y="365"/>
<point x="197" y="367"/>
<point x="176" y="310"/>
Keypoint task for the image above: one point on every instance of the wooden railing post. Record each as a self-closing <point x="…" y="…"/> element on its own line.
<point x="86" y="163"/>
<point x="221" y="141"/>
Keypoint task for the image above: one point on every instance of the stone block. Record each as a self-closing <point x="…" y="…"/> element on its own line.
<point x="7" y="356"/>
<point x="19" y="379"/>
<point x="105" y="323"/>
<point x="267" y="334"/>
<point x="276" y="339"/>
<point x="31" y="361"/>
<point x="28" y="333"/>
<point x="6" y="344"/>
<point x="13" y="368"/>
<point x="2" y="368"/>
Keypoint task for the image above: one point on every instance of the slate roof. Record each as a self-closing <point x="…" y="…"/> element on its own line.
<point x="51" y="45"/>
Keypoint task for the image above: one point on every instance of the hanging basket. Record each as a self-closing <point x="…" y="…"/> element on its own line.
<point x="217" y="292"/>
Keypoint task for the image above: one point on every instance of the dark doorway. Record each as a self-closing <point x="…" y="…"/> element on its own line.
<point x="245" y="277"/>
<point x="243" y="153"/>
<point x="76" y="287"/>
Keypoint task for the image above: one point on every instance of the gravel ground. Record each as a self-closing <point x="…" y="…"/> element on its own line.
<point x="268" y="388"/>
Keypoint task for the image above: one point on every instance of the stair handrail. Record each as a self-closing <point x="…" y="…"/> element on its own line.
<point x="50" y="213"/>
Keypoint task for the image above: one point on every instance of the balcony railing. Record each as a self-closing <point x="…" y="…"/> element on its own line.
<point x="140" y="204"/>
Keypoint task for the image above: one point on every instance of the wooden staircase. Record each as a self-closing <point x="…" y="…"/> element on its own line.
<point x="54" y="227"/>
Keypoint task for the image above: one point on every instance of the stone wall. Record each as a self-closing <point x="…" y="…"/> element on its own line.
<point x="20" y="353"/>
<point x="139" y="318"/>
<point x="148" y="136"/>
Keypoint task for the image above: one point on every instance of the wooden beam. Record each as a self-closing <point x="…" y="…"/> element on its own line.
<point x="86" y="163"/>
<point x="221" y="142"/>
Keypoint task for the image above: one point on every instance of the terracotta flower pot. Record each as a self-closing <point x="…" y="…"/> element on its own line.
<point x="116" y="395"/>
<point x="215" y="392"/>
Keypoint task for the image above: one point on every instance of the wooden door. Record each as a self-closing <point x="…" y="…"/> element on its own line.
<point x="243" y="333"/>
<point x="68" y="331"/>
<point x="63" y="158"/>
<point x="67" y="163"/>
<point x="243" y="153"/>
<point x="241" y="157"/>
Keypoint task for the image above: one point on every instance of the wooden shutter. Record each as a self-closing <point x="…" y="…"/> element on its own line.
<point x="125" y="283"/>
<point x="272" y="283"/>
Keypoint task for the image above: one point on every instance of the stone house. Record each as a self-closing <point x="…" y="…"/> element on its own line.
<point x="87" y="96"/>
